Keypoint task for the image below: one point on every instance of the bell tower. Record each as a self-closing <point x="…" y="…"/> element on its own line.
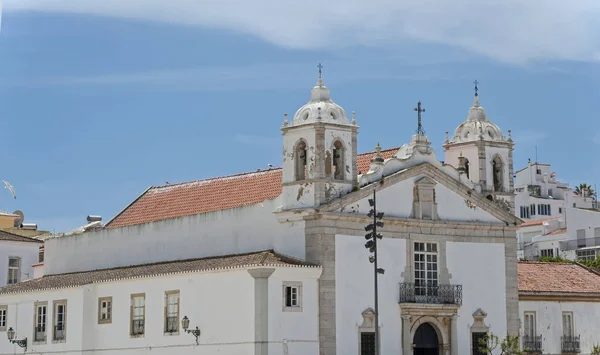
<point x="480" y="150"/>
<point x="319" y="152"/>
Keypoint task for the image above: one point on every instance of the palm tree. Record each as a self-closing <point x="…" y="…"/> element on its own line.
<point x="585" y="189"/>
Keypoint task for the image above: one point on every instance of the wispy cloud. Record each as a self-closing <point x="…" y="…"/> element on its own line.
<point x="512" y="31"/>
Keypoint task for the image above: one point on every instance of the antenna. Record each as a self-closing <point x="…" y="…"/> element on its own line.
<point x="536" y="159"/>
<point x="19" y="220"/>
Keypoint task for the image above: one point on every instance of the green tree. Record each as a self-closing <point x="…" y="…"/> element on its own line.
<point x="596" y="350"/>
<point x="508" y="346"/>
<point x="588" y="189"/>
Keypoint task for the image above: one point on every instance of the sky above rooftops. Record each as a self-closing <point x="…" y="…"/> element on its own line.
<point x="101" y="99"/>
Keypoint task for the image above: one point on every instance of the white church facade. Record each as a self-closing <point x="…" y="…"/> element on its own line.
<point x="274" y="262"/>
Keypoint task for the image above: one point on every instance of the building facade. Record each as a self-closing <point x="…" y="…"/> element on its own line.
<point x="18" y="254"/>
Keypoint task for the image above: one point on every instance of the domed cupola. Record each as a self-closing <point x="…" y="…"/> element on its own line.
<point x="320" y="108"/>
<point x="477" y="127"/>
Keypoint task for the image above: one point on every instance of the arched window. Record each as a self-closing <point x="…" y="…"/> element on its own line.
<point x="498" y="172"/>
<point x="467" y="167"/>
<point x="300" y="158"/>
<point x="338" y="160"/>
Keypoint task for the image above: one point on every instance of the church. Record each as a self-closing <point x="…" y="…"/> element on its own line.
<point x="273" y="262"/>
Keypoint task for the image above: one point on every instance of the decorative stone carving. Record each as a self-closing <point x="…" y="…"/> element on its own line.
<point x="368" y="318"/>
<point x="424" y="199"/>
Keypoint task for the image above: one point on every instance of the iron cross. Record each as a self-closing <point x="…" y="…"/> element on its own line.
<point x="320" y="66"/>
<point x="420" y="129"/>
<point x="476" y="88"/>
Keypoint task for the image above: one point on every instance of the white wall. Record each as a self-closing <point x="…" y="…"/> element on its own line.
<point x="28" y="252"/>
<point x="239" y="230"/>
<point x="221" y="304"/>
<point x="483" y="287"/>
<point x="582" y="219"/>
<point x="549" y="322"/>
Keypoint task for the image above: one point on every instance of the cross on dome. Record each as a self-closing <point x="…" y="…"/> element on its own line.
<point x="420" y="129"/>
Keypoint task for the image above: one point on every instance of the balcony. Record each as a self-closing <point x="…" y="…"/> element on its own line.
<point x="440" y="294"/>
<point x="171" y="325"/>
<point x="532" y="344"/>
<point x="39" y="333"/>
<point x="570" y="344"/>
<point x="580" y="243"/>
<point x="59" y="332"/>
<point x="137" y="327"/>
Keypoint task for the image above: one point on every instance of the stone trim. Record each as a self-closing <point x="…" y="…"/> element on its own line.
<point x="367" y="326"/>
<point x="35" y="314"/>
<point x="261" y="309"/>
<point x="558" y="296"/>
<point x="443" y="318"/>
<point x="100" y="300"/>
<point x="512" y="286"/>
<point x="478" y="326"/>
<point x="55" y="305"/>
<point x="5" y="309"/>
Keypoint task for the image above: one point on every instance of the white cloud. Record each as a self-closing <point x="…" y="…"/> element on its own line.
<point x="513" y="31"/>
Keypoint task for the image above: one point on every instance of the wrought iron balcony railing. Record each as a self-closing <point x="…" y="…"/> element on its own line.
<point x="440" y="294"/>
<point x="570" y="344"/>
<point x="59" y="332"/>
<point x="171" y="325"/>
<point x="532" y="344"/>
<point x="137" y="327"/>
<point x="39" y="333"/>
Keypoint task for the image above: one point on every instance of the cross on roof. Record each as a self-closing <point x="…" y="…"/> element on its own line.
<point x="420" y="129"/>
<point x="476" y="88"/>
<point x="320" y="66"/>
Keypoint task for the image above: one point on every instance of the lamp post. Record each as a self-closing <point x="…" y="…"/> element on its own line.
<point x="371" y="245"/>
<point x="185" y="324"/>
<point x="10" y="333"/>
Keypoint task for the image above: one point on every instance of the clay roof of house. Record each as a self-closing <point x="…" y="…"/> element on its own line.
<point x="237" y="261"/>
<point x="537" y="222"/>
<point x="17" y="238"/>
<point x="558" y="231"/>
<point x="195" y="197"/>
<point x="555" y="277"/>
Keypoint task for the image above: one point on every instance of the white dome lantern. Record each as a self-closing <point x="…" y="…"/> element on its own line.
<point x="320" y="108"/>
<point x="477" y="127"/>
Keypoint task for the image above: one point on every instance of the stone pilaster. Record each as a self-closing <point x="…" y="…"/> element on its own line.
<point x="261" y="309"/>
<point x="319" y="165"/>
<point x="354" y="162"/>
<point x="511" y="179"/>
<point x="512" y="292"/>
<point x="482" y="166"/>
<point x="320" y="250"/>
<point x="406" y="339"/>
<point x="454" y="335"/>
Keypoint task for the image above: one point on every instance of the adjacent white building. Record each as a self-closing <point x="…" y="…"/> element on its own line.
<point x="558" y="307"/>
<point x="18" y="254"/>
<point x="274" y="262"/>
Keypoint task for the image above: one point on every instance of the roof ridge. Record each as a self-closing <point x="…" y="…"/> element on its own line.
<point x="21" y="236"/>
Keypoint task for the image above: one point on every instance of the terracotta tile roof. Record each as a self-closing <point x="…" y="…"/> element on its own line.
<point x="550" y="277"/>
<point x="558" y="231"/>
<point x="537" y="222"/>
<point x="48" y="282"/>
<point x="202" y="196"/>
<point x="17" y="238"/>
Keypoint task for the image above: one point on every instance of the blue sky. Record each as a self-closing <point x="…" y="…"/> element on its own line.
<point x="101" y="99"/>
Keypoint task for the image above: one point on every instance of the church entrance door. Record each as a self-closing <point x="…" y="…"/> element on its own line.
<point x="426" y="340"/>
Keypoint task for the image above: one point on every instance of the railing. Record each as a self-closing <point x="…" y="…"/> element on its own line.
<point x="440" y="294"/>
<point x="532" y="344"/>
<point x="579" y="243"/>
<point x="39" y="333"/>
<point x="570" y="344"/>
<point x="59" y="332"/>
<point x="137" y="327"/>
<point x="171" y="324"/>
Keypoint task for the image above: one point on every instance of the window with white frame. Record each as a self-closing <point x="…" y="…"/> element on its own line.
<point x="171" y="312"/>
<point x="138" y="314"/>
<point x="14" y="270"/>
<point x="3" y="311"/>
<point x="41" y="316"/>
<point x="581" y="238"/>
<point x="104" y="310"/>
<point x="550" y="192"/>
<point x="586" y="255"/>
<point x="567" y="318"/>
<point x="60" y="320"/>
<point x="426" y="268"/>
<point x="529" y="330"/>
<point x="292" y="296"/>
<point x="547" y="253"/>
<point x="532" y="209"/>
<point x="525" y="211"/>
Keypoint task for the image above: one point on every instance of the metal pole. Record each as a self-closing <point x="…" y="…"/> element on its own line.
<point x="375" y="269"/>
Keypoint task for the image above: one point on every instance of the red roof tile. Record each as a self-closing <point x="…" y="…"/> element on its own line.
<point x="202" y="196"/>
<point x="558" y="231"/>
<point x="557" y="278"/>
<point x="537" y="222"/>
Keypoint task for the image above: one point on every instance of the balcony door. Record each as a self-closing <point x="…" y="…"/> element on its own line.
<point x="426" y="271"/>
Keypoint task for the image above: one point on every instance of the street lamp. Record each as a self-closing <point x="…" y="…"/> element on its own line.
<point x="10" y="333"/>
<point x="185" y="324"/>
<point x="371" y="245"/>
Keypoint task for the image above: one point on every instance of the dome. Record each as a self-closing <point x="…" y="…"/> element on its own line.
<point x="477" y="127"/>
<point x="320" y="108"/>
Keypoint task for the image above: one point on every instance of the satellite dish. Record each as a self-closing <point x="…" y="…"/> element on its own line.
<point x="19" y="220"/>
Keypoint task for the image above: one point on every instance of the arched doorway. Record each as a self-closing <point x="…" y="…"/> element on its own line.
<point x="426" y="340"/>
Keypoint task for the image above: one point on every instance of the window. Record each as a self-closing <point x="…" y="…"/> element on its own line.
<point x="476" y="338"/>
<point x="597" y="232"/>
<point x="39" y="332"/>
<point x="498" y="171"/>
<point x="292" y="296"/>
<point x="60" y="320"/>
<point x="529" y="326"/>
<point x="560" y="210"/>
<point x="3" y="310"/>
<point x="574" y="205"/>
<point x="300" y="156"/>
<point x="547" y="252"/>
<point x="525" y="211"/>
<point x="581" y="238"/>
<point x="568" y="324"/>
<point x="171" y="312"/>
<point x="14" y="270"/>
<point x="426" y="269"/>
<point x="338" y="160"/>
<point x="138" y="309"/>
<point x="104" y="310"/>
<point x="467" y="167"/>
<point x="586" y="255"/>
<point x="532" y="208"/>
<point x="367" y="343"/>
<point x="538" y="171"/>
<point x="544" y="210"/>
